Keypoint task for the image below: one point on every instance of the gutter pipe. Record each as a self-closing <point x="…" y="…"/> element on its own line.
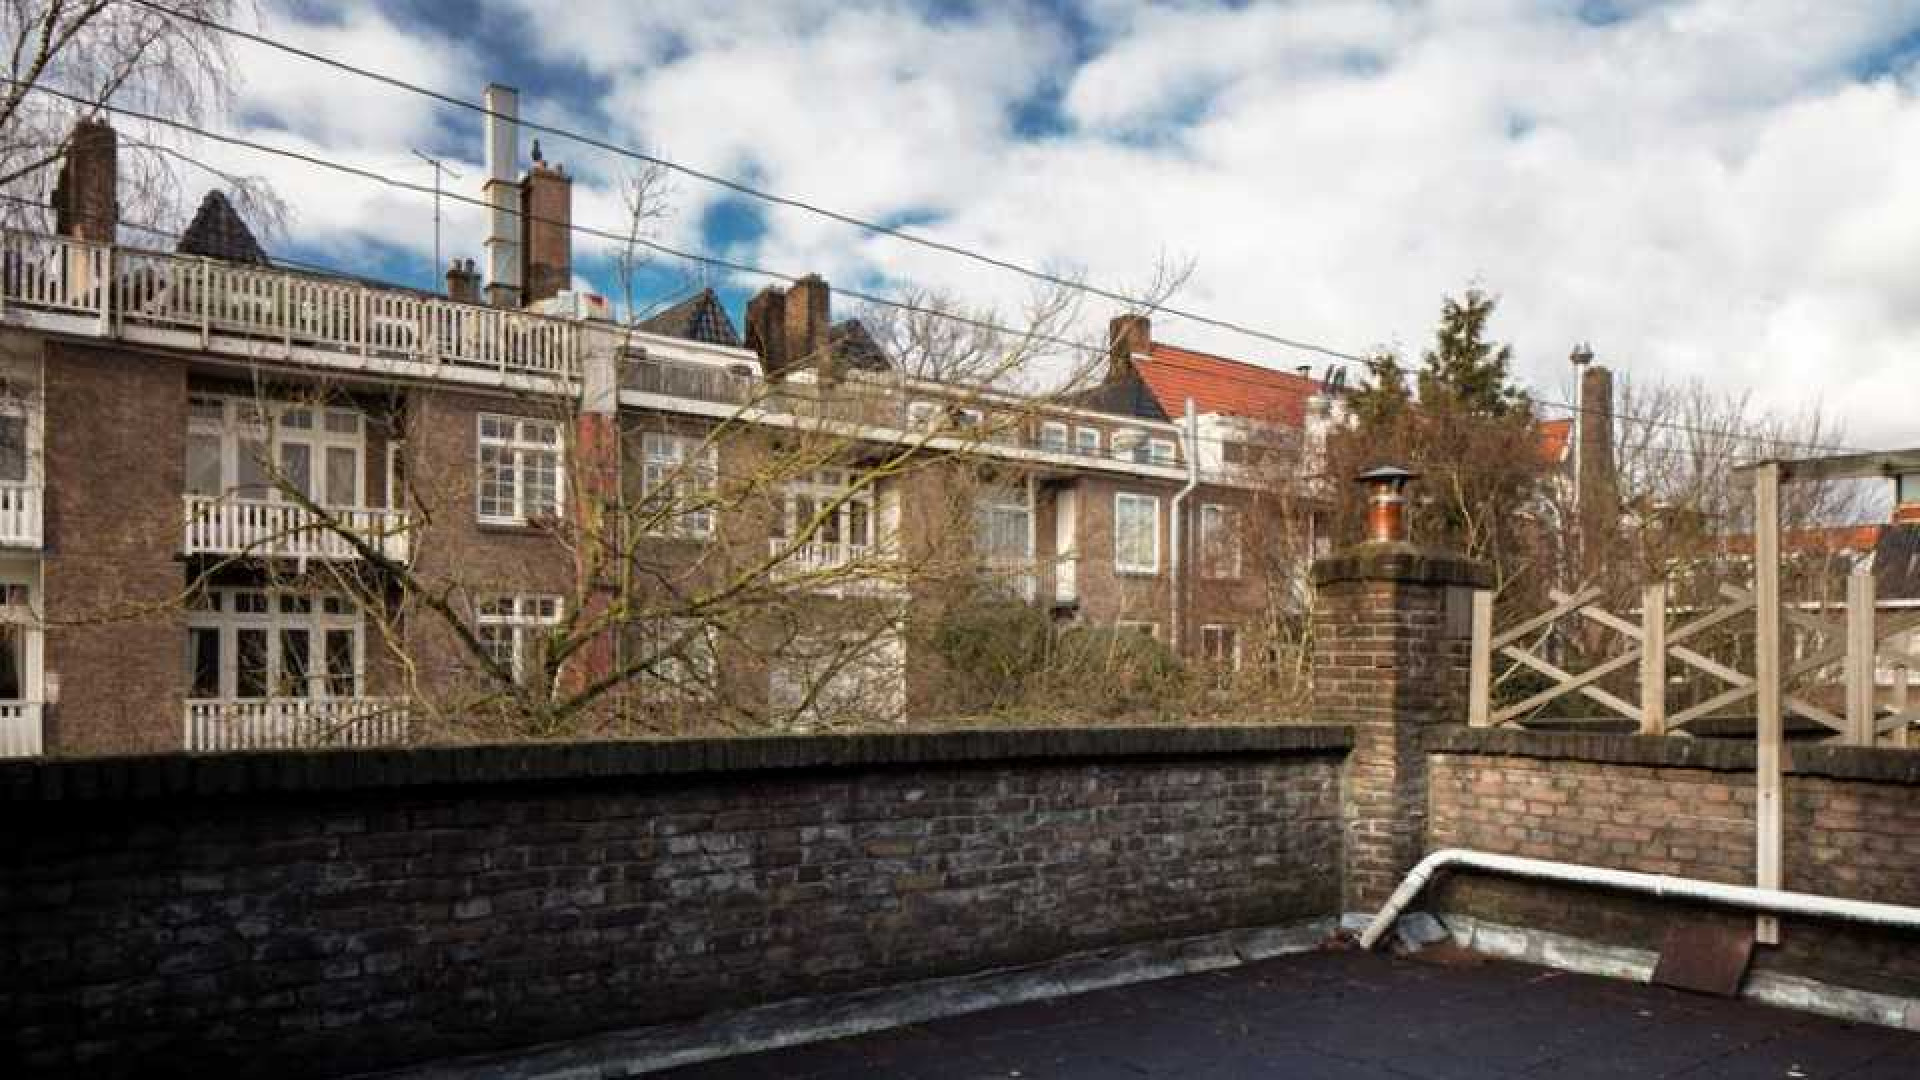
<point x="1746" y="897"/>
<point x="1191" y="434"/>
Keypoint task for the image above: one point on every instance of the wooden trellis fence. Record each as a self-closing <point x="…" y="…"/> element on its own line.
<point x="1655" y="646"/>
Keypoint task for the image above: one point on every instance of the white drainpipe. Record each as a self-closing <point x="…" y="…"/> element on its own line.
<point x="1747" y="897"/>
<point x="1173" y="557"/>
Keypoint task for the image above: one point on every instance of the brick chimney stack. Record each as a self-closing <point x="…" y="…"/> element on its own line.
<point x="1126" y="335"/>
<point x="86" y="196"/>
<point x="546" y="206"/>
<point x="1596" y="486"/>
<point x="790" y="328"/>
<point x="463" y="281"/>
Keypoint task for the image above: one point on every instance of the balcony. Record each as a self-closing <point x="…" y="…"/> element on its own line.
<point x="219" y="525"/>
<point x="834" y="567"/>
<point x="20" y="515"/>
<point x="295" y="723"/>
<point x="21" y="733"/>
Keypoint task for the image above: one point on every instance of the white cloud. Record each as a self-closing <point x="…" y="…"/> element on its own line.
<point x="1700" y="188"/>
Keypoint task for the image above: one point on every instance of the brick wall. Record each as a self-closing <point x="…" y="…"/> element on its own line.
<point x="116" y="428"/>
<point x="299" y="915"/>
<point x="1683" y="807"/>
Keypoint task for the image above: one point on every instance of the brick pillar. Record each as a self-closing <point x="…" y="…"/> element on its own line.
<point x="86" y="197"/>
<point x="1391" y="642"/>
<point x="596" y="509"/>
<point x="546" y="194"/>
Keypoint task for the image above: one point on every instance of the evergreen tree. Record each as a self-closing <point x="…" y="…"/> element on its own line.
<point x="1464" y="370"/>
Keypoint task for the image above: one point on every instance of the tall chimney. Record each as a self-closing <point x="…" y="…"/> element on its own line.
<point x="808" y="312"/>
<point x="463" y="281"/>
<point x="503" y="196"/>
<point x="1126" y="335"/>
<point x="546" y="201"/>
<point x="765" y="334"/>
<point x="86" y="197"/>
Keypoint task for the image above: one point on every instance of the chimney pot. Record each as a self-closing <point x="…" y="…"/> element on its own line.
<point x="1386" y="503"/>
<point x="505" y="228"/>
<point x="463" y="282"/>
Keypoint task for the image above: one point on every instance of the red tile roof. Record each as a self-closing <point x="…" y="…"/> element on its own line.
<point x="1816" y="540"/>
<point x="1225" y="387"/>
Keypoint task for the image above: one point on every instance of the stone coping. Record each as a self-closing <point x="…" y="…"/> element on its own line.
<point x="1892" y="766"/>
<point x="273" y="772"/>
<point x="1402" y="563"/>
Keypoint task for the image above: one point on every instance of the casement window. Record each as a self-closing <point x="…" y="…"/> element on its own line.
<point x="679" y="655"/>
<point x="678" y="476"/>
<point x="1136" y="533"/>
<point x="514" y="628"/>
<point x="1003" y="525"/>
<point x="1161" y="451"/>
<point x="848" y="515"/>
<point x="1220" y="646"/>
<point x="1053" y="437"/>
<point x="1219" y="541"/>
<point x="20" y="643"/>
<point x="1129" y="444"/>
<point x="272" y="450"/>
<point x="1135" y="626"/>
<point x="520" y="469"/>
<point x="253" y="643"/>
<point x="1086" y="441"/>
<point x="16" y="437"/>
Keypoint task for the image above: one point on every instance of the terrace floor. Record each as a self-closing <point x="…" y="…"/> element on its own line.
<point x="1344" y="1015"/>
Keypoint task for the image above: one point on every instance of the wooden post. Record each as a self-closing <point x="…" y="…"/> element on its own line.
<point x="1480" y="673"/>
<point x="1766" y="672"/>
<point x="1860" y="650"/>
<point x="1653" y="660"/>
<point x="1898" y="736"/>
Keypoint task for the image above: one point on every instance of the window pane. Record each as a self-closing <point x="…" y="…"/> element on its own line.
<point x="542" y="477"/>
<point x="203" y="465"/>
<point x="13" y="661"/>
<point x="295" y="661"/>
<point x="203" y="661"/>
<point x="250" y="662"/>
<point x="859" y="527"/>
<point x="343" y="476"/>
<point x="13" y="448"/>
<point x="497" y="483"/>
<point x="340" y="664"/>
<point x="343" y="421"/>
<point x="254" y="482"/>
<point x="296" y="467"/>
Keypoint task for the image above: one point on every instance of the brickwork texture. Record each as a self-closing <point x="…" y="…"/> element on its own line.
<point x="339" y="912"/>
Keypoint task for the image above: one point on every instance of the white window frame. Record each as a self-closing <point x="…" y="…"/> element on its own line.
<point x="1210" y="649"/>
<point x="1004" y="500"/>
<point x="270" y="424"/>
<point x="521" y="453"/>
<point x="688" y="468"/>
<point x="1219" y="535"/>
<point x="1128" y="444"/>
<point x="823" y="486"/>
<point x="1120" y="563"/>
<point x="1054" y="437"/>
<point x="217" y="608"/>
<point x="1086" y="441"/>
<point x="923" y="416"/>
<point x="1162" y="452"/>
<point x="524" y="618"/>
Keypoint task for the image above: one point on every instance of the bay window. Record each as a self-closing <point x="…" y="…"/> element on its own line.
<point x="269" y="450"/>
<point x="814" y="494"/>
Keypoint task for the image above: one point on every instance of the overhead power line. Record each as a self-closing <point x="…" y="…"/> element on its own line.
<point x="738" y="267"/>
<point x="753" y="192"/>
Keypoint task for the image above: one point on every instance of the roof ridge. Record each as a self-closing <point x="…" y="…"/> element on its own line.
<point x="1251" y="366"/>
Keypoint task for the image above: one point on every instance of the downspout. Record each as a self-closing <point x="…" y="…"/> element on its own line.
<point x="1745" y="897"/>
<point x="1191" y="431"/>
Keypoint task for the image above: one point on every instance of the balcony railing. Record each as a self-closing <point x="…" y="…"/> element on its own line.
<point x="126" y="288"/>
<point x="19" y="515"/>
<point x="834" y="566"/>
<point x="295" y="723"/>
<point x="21" y="734"/>
<point x="223" y="525"/>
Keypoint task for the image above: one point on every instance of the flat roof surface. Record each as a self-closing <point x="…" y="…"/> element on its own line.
<point x="1347" y="1016"/>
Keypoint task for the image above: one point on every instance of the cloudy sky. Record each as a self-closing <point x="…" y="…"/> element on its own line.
<point x="1720" y="189"/>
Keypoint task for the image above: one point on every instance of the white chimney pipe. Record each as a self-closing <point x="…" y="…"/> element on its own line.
<point x="504" y="228"/>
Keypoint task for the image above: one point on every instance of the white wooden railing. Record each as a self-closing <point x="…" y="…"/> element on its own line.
<point x="223" y="525"/>
<point x="294" y="723"/>
<point x="127" y="289"/>
<point x="19" y="515"/>
<point x="1066" y="580"/>
<point x="835" y="566"/>
<point x="20" y="730"/>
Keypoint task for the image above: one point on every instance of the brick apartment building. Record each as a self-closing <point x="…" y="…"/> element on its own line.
<point x="173" y="425"/>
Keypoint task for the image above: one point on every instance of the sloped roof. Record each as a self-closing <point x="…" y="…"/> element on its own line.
<point x="217" y="232"/>
<point x="854" y="346"/>
<point x="700" y="317"/>
<point x="1224" y="387"/>
<point x="1125" y="396"/>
